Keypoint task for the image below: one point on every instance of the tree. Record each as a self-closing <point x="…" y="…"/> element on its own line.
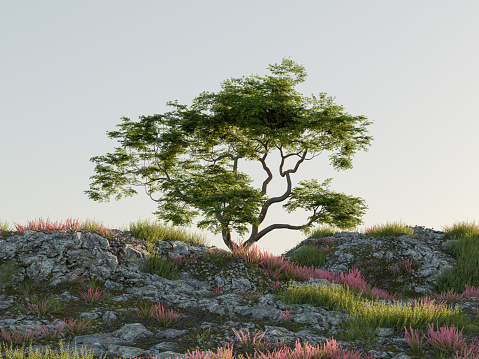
<point x="251" y="116"/>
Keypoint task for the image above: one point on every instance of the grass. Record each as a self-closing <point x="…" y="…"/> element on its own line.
<point x="352" y="297"/>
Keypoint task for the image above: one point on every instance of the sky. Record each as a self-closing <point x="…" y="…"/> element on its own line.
<point x="70" y="70"/>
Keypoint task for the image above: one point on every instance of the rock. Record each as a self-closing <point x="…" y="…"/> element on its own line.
<point x="424" y="253"/>
<point x="118" y="264"/>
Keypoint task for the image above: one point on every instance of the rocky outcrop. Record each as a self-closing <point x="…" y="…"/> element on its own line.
<point x="218" y="293"/>
<point x="423" y="254"/>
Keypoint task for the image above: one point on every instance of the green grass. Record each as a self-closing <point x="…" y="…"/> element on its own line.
<point x="349" y="299"/>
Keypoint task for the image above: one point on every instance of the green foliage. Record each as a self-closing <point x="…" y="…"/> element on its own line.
<point x="463" y="229"/>
<point x="218" y="258"/>
<point x="390" y="230"/>
<point x="7" y="271"/>
<point x="153" y="232"/>
<point x="309" y="256"/>
<point x="251" y="116"/>
<point x="467" y="269"/>
<point x="338" y="209"/>
<point x="165" y="268"/>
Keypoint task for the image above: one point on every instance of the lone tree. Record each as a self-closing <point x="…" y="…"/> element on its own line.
<point x="251" y="116"/>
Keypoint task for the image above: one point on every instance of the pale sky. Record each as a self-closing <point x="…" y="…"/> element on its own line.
<point x="70" y="70"/>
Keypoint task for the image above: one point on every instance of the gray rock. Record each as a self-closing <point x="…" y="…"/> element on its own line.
<point x="424" y="252"/>
<point x="118" y="264"/>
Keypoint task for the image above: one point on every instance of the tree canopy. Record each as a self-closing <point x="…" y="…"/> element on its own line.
<point x="247" y="119"/>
